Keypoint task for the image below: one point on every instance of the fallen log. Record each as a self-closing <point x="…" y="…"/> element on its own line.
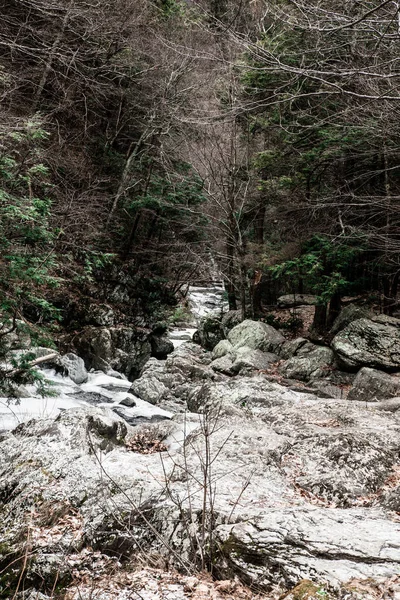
<point x="32" y="363"/>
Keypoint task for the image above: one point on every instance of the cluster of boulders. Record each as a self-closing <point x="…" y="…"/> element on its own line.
<point x="364" y="353"/>
<point x="261" y="470"/>
<point x="294" y="486"/>
<point x="126" y="349"/>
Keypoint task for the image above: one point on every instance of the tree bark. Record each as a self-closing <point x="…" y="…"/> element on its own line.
<point x="319" y="322"/>
<point x="335" y="306"/>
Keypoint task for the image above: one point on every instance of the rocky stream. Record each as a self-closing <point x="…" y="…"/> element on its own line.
<point x="271" y="464"/>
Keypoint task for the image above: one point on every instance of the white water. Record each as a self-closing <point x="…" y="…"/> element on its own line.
<point x="179" y="336"/>
<point x="206" y="300"/>
<point x="105" y="390"/>
<point x="202" y="302"/>
<point x="100" y="390"/>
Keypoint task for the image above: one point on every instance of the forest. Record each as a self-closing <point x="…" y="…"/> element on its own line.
<point x="144" y="143"/>
<point x="199" y="300"/>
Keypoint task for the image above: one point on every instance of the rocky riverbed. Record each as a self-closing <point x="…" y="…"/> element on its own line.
<point x="235" y="467"/>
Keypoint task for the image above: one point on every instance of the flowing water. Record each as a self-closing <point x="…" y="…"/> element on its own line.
<point x="201" y="301"/>
<point x="106" y="391"/>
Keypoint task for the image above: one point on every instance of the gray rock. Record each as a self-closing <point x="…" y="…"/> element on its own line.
<point x="391" y="499"/>
<point x="101" y="315"/>
<point x="160" y="328"/>
<point x="223" y="348"/>
<point x="230" y="361"/>
<point x="312" y="540"/>
<point x="223" y="365"/>
<point x="74" y="367"/>
<point x="284" y="466"/>
<point x="347" y="315"/>
<point x="292" y="300"/>
<point x="255" y="335"/>
<point x="392" y="405"/>
<point x="291" y="347"/>
<point x="386" y="320"/>
<point x="371" y="385"/>
<point x="95" y="345"/>
<point x="19" y="391"/>
<point x="128" y="401"/>
<point x="19" y="338"/>
<point x="190" y="362"/>
<point x="210" y="331"/>
<point x="247" y="359"/>
<point x="245" y="393"/>
<point x="40" y="351"/>
<point x="121" y="348"/>
<point x="230" y="320"/>
<point x="326" y="389"/>
<point x="149" y="389"/>
<point x="161" y="346"/>
<point x="311" y="362"/>
<point x="369" y="342"/>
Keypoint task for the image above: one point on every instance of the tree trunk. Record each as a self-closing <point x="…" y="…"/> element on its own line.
<point x="230" y="284"/>
<point x="50" y="59"/>
<point x="388" y="301"/>
<point x="259" y="225"/>
<point x="132" y="234"/>
<point x="243" y="285"/>
<point x="255" y="295"/>
<point x="319" y="322"/>
<point x="335" y="306"/>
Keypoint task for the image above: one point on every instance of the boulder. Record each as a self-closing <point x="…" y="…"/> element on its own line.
<point x="298" y="543"/>
<point x="230" y="320"/>
<point x="223" y="348"/>
<point x="149" y="389"/>
<point x="17" y="339"/>
<point x="292" y="300"/>
<point x="300" y="490"/>
<point x="369" y="342"/>
<point x="370" y="385"/>
<point x="169" y="382"/>
<point x="210" y="331"/>
<point x="160" y="328"/>
<point x="243" y="392"/>
<point x="223" y="364"/>
<point x="161" y="346"/>
<point x="124" y="349"/>
<point x="347" y="315"/>
<point x="255" y="335"/>
<point x="247" y="359"/>
<point x="326" y="389"/>
<point x="292" y="347"/>
<point x="311" y="362"/>
<point x="40" y="351"/>
<point x="100" y="315"/>
<point x="73" y="366"/>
